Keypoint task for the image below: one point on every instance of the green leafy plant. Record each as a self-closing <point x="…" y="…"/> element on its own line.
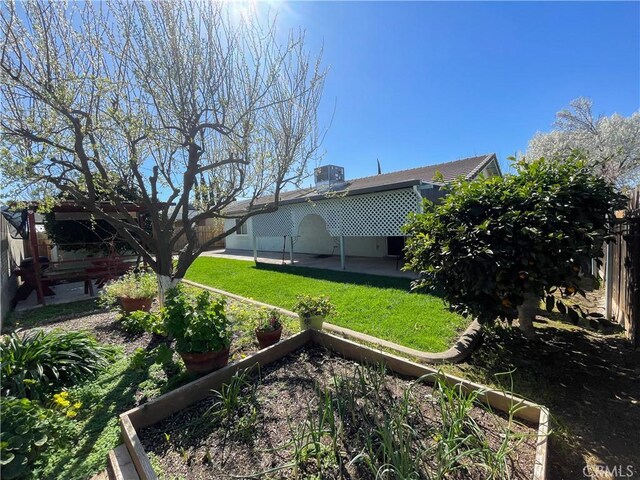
<point x="27" y="429"/>
<point x="132" y="284"/>
<point x="312" y="306"/>
<point x="37" y="362"/>
<point x="245" y="316"/>
<point x="269" y="321"/>
<point x="140" y="321"/>
<point x="496" y="247"/>
<point x="198" y="324"/>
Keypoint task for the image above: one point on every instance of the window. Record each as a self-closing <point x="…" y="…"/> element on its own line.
<point x="241" y="229"/>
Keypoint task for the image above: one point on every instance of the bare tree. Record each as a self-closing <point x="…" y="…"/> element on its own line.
<point x="173" y="103"/>
<point x="611" y="144"/>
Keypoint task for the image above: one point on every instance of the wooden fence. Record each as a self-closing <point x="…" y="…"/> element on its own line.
<point x="625" y="265"/>
<point x="205" y="233"/>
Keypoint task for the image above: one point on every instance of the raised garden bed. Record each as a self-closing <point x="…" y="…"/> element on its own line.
<point x="316" y="404"/>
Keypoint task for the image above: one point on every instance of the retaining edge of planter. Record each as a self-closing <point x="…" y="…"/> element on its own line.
<point x="461" y="349"/>
<point x="121" y="464"/>
<point x="167" y="404"/>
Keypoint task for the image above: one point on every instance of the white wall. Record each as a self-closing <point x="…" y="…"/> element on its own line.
<point x="239" y="242"/>
<point x="313" y="238"/>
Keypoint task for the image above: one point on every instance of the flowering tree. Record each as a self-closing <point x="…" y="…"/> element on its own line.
<point x="496" y="247"/>
<point x="611" y="144"/>
<point x="174" y="103"/>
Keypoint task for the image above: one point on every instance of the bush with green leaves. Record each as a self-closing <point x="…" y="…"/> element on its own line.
<point x="197" y="323"/>
<point x="139" y="321"/>
<point x="27" y="429"/>
<point x="495" y="247"/>
<point x="36" y="363"/>
<point x="133" y="284"/>
<point x="312" y="306"/>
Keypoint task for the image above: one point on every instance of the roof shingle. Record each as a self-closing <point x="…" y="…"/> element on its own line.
<point x="466" y="167"/>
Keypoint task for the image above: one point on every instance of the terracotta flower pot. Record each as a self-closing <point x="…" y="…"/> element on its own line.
<point x="314" y="321"/>
<point x="266" y="339"/>
<point x="205" y="362"/>
<point x="132" y="304"/>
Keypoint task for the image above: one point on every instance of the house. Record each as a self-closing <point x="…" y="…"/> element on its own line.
<point x="359" y="217"/>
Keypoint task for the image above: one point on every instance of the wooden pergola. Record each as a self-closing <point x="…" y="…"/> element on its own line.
<point x="68" y="210"/>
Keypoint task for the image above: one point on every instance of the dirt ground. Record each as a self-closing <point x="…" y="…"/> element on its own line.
<point x="191" y="445"/>
<point x="589" y="379"/>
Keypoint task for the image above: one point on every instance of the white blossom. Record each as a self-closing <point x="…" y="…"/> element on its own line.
<point x="611" y="144"/>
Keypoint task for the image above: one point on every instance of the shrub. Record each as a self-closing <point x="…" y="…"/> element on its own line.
<point x="198" y="324"/>
<point x="252" y="318"/>
<point x="27" y="428"/>
<point x="139" y="322"/>
<point x="310" y="306"/>
<point x="494" y="244"/>
<point x="131" y="285"/>
<point x="36" y="363"/>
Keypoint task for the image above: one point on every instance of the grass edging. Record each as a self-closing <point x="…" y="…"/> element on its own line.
<point x="165" y="405"/>
<point x="460" y="350"/>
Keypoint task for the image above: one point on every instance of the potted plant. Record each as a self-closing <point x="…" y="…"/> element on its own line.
<point x="133" y="291"/>
<point x="313" y="310"/>
<point x="269" y="328"/>
<point x="200" y="328"/>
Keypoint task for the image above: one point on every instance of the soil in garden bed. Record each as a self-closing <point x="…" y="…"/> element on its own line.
<point x="314" y="414"/>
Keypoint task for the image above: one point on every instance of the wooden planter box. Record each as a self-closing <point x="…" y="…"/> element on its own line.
<point x="180" y="398"/>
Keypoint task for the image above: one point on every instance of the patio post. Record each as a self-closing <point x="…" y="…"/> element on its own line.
<point x="291" y="249"/>
<point x="342" y="251"/>
<point x="255" y="249"/>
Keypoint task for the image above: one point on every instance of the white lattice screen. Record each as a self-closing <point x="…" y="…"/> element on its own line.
<point x="370" y="215"/>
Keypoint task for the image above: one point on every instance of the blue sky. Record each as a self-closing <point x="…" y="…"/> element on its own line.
<point x="417" y="83"/>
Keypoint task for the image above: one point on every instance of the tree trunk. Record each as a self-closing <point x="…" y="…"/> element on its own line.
<point x="526" y="315"/>
<point x="165" y="283"/>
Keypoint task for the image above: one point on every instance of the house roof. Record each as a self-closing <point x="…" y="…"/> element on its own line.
<point x="468" y="168"/>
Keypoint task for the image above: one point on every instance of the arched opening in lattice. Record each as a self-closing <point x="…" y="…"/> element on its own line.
<point x="313" y="236"/>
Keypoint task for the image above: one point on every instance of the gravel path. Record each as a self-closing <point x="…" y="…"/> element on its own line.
<point x="105" y="327"/>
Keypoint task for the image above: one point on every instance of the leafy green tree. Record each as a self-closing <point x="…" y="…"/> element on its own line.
<point x="496" y="247"/>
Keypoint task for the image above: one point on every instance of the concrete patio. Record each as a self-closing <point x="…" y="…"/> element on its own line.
<point x="64" y="293"/>
<point x="387" y="266"/>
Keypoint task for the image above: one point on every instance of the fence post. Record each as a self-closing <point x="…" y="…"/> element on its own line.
<point x="35" y="255"/>
<point x="634" y="281"/>
<point x="608" y="285"/>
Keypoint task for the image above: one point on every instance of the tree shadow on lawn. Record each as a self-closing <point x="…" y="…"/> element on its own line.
<point x="353" y="278"/>
<point x="590" y="383"/>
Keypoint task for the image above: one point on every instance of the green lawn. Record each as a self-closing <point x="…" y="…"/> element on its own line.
<point x="376" y="305"/>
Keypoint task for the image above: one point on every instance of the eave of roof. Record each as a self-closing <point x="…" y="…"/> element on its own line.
<point x="377" y="183"/>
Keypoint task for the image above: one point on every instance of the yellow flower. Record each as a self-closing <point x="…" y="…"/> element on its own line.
<point x="71" y="413"/>
<point x="61" y="400"/>
<point x="77" y="405"/>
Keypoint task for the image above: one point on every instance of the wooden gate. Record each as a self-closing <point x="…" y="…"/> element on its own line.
<point x="625" y="288"/>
